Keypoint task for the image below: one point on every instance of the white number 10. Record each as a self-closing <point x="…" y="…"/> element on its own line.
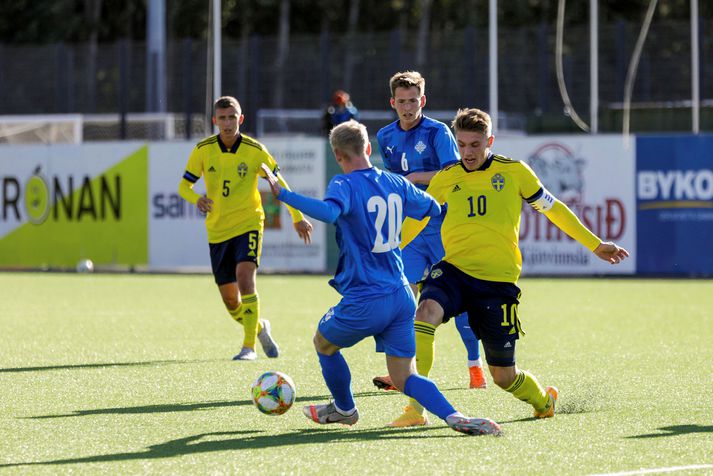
<point x="393" y="211"/>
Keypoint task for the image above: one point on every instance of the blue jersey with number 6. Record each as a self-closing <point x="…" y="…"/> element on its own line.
<point x="373" y="205"/>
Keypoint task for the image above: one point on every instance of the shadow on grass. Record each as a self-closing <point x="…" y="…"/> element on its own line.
<point x="249" y="440"/>
<point x="102" y="366"/>
<point x="676" y="430"/>
<point x="181" y="407"/>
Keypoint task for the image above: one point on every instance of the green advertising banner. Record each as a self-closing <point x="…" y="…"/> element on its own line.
<point x="62" y="204"/>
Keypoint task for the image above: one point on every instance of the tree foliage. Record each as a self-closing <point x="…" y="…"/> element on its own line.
<point x="29" y="21"/>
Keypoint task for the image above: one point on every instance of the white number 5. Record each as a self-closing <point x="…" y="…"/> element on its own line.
<point x="391" y="211"/>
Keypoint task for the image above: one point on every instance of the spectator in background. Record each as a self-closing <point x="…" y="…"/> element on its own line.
<point x="339" y="110"/>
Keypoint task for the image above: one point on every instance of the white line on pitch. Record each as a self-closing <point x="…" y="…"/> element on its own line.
<point x="672" y="469"/>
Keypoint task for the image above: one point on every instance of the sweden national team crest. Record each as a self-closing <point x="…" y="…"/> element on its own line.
<point x="242" y="169"/>
<point x="436" y="273"/>
<point x="498" y="182"/>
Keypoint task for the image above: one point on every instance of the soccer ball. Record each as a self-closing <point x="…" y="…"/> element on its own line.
<point x="273" y="393"/>
<point x="85" y="266"/>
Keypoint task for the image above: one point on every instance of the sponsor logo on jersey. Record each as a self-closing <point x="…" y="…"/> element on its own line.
<point x="436" y="273"/>
<point x="456" y="188"/>
<point x="242" y="169"/>
<point x="420" y="147"/>
<point x="507" y="345"/>
<point x="211" y="169"/>
<point x="390" y="149"/>
<point x="498" y="182"/>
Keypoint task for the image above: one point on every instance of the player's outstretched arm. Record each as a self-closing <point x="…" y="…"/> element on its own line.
<point x="302" y="227"/>
<point x="323" y="210"/>
<point x="611" y="252"/>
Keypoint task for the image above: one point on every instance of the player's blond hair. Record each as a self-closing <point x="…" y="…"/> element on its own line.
<point x="472" y="119"/>
<point x="407" y="79"/>
<point x="225" y="102"/>
<point x="349" y="138"/>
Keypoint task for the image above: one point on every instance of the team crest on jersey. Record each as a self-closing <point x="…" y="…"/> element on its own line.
<point x="420" y="147"/>
<point x="327" y="316"/>
<point x="436" y="273"/>
<point x="498" y="182"/>
<point x="242" y="169"/>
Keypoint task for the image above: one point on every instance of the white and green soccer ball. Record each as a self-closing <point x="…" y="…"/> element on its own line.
<point x="273" y="393"/>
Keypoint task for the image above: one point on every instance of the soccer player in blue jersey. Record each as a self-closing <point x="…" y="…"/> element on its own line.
<point x="367" y="206"/>
<point x="416" y="147"/>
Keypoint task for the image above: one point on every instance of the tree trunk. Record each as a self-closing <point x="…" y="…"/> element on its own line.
<point x="422" y="42"/>
<point x="283" y="49"/>
<point x="350" y="58"/>
<point x="93" y="13"/>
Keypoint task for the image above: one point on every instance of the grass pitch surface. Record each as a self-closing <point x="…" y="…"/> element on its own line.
<point x="127" y="374"/>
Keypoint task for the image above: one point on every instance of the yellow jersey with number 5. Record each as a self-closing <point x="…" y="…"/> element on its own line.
<point x="231" y="177"/>
<point x="481" y="230"/>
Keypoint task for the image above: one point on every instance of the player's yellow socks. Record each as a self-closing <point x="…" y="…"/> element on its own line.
<point x="250" y="310"/>
<point x="236" y="314"/>
<point x="528" y="389"/>
<point x="425" y="351"/>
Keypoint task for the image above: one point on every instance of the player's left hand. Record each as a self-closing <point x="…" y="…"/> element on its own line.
<point x="272" y="180"/>
<point x="304" y="229"/>
<point x="609" y="251"/>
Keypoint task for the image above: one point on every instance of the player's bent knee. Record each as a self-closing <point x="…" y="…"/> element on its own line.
<point x="430" y="311"/>
<point x="323" y="346"/>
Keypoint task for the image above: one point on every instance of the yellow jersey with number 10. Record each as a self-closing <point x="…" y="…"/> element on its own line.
<point x="481" y="230"/>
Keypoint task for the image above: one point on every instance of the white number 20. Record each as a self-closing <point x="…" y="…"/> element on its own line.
<point x="391" y="211"/>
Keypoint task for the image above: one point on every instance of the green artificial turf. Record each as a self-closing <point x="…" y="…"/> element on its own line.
<point x="126" y="374"/>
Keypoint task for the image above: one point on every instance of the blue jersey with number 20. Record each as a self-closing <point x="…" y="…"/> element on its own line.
<point x="373" y="205"/>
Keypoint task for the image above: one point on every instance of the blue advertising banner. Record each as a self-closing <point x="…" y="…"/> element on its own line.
<point x="674" y="199"/>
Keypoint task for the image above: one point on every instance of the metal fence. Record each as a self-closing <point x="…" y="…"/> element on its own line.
<point x="67" y="78"/>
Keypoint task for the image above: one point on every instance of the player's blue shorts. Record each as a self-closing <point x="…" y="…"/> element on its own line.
<point x="225" y="256"/>
<point x="491" y="307"/>
<point x="422" y="253"/>
<point x="388" y="317"/>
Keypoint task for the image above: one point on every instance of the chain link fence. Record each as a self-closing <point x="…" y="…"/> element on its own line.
<point x="67" y="78"/>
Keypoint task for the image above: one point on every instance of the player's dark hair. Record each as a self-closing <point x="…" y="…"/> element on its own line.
<point x="224" y="102"/>
<point x="472" y="119"/>
<point x="407" y="79"/>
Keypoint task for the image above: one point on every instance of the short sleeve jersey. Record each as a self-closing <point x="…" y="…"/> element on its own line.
<point x="481" y="230"/>
<point x="373" y="204"/>
<point x="428" y="147"/>
<point x="231" y="177"/>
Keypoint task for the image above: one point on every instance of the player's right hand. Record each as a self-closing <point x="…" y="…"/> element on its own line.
<point x="204" y="204"/>
<point x="610" y="252"/>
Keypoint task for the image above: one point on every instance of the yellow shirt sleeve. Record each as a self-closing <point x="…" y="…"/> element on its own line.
<point x="567" y="221"/>
<point x="194" y="168"/>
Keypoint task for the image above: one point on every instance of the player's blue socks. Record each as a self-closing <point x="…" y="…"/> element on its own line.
<point x="428" y="395"/>
<point x="472" y="344"/>
<point x="338" y="379"/>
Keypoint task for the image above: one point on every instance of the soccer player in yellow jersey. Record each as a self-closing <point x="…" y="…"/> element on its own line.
<point x="482" y="262"/>
<point x="230" y="163"/>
